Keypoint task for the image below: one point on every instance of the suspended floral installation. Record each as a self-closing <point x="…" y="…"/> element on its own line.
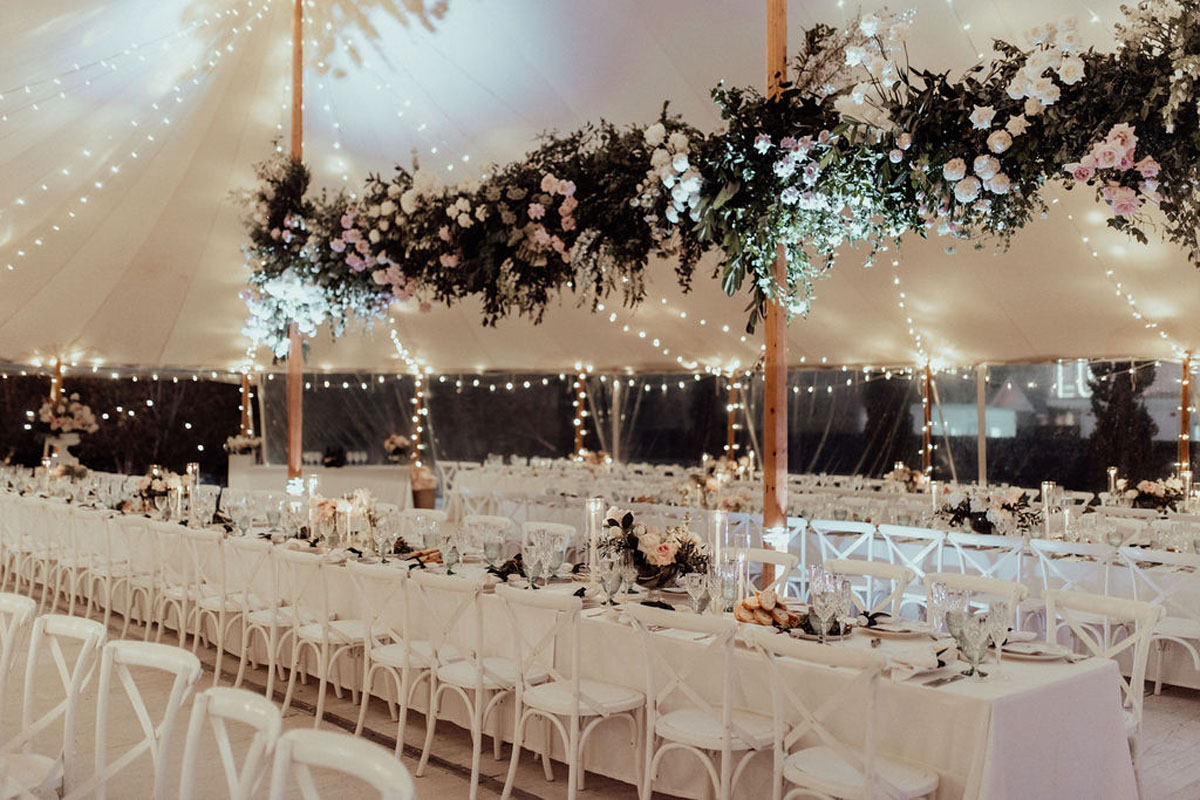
<point x="859" y="149"/>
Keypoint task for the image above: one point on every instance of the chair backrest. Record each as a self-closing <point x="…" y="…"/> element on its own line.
<point x="990" y="556"/>
<point x="303" y="584"/>
<point x="383" y="603"/>
<point x="16" y="618"/>
<point x="1176" y="588"/>
<point x="786" y="562"/>
<point x="207" y="564"/>
<point x="802" y="709"/>
<point x="843" y="539"/>
<point x="1053" y="555"/>
<point x="541" y="622"/>
<point x="867" y="597"/>
<point x="1128" y="512"/>
<point x="409" y="518"/>
<point x="565" y="534"/>
<point x="669" y="681"/>
<point x="1009" y="591"/>
<point x="218" y="706"/>
<point x="49" y="632"/>
<point x="450" y="603"/>
<point x="919" y="549"/>
<point x="298" y="750"/>
<point x="254" y="569"/>
<point x="117" y="658"/>
<point x="1115" y="611"/>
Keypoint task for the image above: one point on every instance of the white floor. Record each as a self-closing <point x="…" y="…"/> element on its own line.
<point x="1169" y="768"/>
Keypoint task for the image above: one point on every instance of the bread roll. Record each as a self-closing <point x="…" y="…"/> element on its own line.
<point x="781" y="616"/>
<point x="762" y="617"/>
<point x="752" y="603"/>
<point x="767" y="599"/>
<point x="742" y="614"/>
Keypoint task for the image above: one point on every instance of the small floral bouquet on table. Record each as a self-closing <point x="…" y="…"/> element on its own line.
<point x="73" y="472"/>
<point x="659" y="556"/>
<point x="1000" y="511"/>
<point x="157" y="483"/>
<point x="1161" y="495"/>
<point x="397" y="447"/>
<point x="736" y="502"/>
<point x="902" y="479"/>
<point x="66" y="415"/>
<point x="242" y="445"/>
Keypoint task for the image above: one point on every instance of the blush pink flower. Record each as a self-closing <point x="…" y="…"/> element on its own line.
<point x="337" y="245"/>
<point x="1124" y="200"/>
<point x="448" y="260"/>
<point x="1147" y="167"/>
<point x="664" y="554"/>
<point x="348" y="219"/>
<point x="1107" y="154"/>
<point x="1123" y="136"/>
<point x="444" y="233"/>
<point x="536" y="211"/>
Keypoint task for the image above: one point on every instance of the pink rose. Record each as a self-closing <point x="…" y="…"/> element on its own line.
<point x="664" y="554"/>
<point x="1124" y="200"/>
<point x="1082" y="173"/>
<point x="347" y="219"/>
<point x="337" y="246"/>
<point x="570" y="203"/>
<point x="352" y="235"/>
<point x="568" y="223"/>
<point x="566" y="188"/>
<point x="1123" y="136"/>
<point x="1147" y="167"/>
<point x="536" y="211"/>
<point x="444" y="233"/>
<point x="1107" y="155"/>
<point x="448" y="260"/>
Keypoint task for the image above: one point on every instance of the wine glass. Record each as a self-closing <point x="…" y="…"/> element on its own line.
<point x="610" y="579"/>
<point x="999" y="615"/>
<point x="938" y="605"/>
<point x="274" y="512"/>
<point x="160" y="505"/>
<point x="973" y="641"/>
<point x="696" y="584"/>
<point x="845" y="605"/>
<point x="824" y="606"/>
<point x="493" y="545"/>
<point x="532" y="558"/>
<point x="450" y="554"/>
<point x="555" y="554"/>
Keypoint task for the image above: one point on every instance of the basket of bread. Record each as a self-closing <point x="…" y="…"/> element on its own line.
<point x="765" y="608"/>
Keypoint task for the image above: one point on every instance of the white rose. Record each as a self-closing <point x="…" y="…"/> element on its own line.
<point x="387" y="208"/>
<point x="655" y="134"/>
<point x="672" y="214"/>
<point x="1017" y="125"/>
<point x="981" y="117"/>
<point x="680" y="162"/>
<point x="1051" y="95"/>
<point x="904" y="141"/>
<point x="1070" y="71"/>
<point x="954" y="169"/>
<point x="679" y="142"/>
<point x="967" y="190"/>
<point x="373" y="211"/>
<point x="1018" y="87"/>
<point x="393" y="190"/>
<point x="855" y="55"/>
<point x="464" y="220"/>
<point x="999" y="141"/>
<point x="999" y="184"/>
<point x="660" y="158"/>
<point x="985" y="167"/>
<point x="408" y="201"/>
<point x="384" y="224"/>
<point x="374" y="236"/>
<point x="1033" y="107"/>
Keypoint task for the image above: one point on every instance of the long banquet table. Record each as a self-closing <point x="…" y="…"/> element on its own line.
<point x="1031" y="730"/>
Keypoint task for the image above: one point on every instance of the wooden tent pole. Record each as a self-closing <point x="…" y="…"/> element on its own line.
<point x="731" y="409"/>
<point x="926" y="424"/>
<point x="775" y="428"/>
<point x="56" y="381"/>
<point x="295" y="389"/>
<point x="981" y="422"/>
<point x="247" y="419"/>
<point x="1185" y="416"/>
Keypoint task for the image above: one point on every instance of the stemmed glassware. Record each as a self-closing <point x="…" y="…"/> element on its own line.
<point x="609" y="573"/>
<point x="939" y="604"/>
<point x="999" y="615"/>
<point x="696" y="584"/>
<point x="161" y="506"/>
<point x="533" y="557"/>
<point x="449" y="548"/>
<point x="845" y="605"/>
<point x="493" y="546"/>
<point x="974" y="636"/>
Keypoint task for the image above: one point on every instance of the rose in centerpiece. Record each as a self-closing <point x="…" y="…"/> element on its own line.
<point x="902" y="479"/>
<point x="1161" y="495"/>
<point x="156" y="483"/>
<point x="66" y="415"/>
<point x="659" y="556"/>
<point x="983" y="511"/>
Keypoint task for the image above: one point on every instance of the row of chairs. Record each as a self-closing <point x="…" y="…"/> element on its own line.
<point x="74" y="645"/>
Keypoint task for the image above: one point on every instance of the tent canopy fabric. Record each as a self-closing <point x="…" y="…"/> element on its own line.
<point x="127" y="131"/>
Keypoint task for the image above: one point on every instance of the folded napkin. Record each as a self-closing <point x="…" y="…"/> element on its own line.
<point x="906" y="662"/>
<point x="1021" y="636"/>
<point x="297" y="544"/>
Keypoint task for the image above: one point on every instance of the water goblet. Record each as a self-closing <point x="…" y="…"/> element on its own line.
<point x="938" y="605"/>
<point x="450" y="554"/>
<point x="845" y="606"/>
<point x="492" y="547"/>
<point x="696" y="584"/>
<point x="823" y="605"/>
<point x="555" y="553"/>
<point x="531" y="556"/>
<point x="999" y="616"/>
<point x="610" y="579"/>
<point x="161" y="506"/>
<point x="973" y="642"/>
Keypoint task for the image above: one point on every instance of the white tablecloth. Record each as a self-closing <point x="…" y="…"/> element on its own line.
<point x="387" y="483"/>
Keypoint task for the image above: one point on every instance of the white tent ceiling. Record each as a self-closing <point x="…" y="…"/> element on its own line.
<point x="135" y="260"/>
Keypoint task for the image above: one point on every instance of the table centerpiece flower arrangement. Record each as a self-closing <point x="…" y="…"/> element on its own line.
<point x="66" y="415"/>
<point x="156" y="483"/>
<point x="1160" y="495"/>
<point x="659" y="556"/>
<point x="1001" y="511"/>
<point x="241" y="445"/>
<point x="397" y="448"/>
<point x="902" y="479"/>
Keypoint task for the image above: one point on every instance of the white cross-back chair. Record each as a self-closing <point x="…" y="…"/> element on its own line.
<point x="145" y="575"/>
<point x="542" y="623"/>
<point x="388" y="646"/>
<point x="37" y="773"/>
<point x="678" y="716"/>
<point x="1138" y="619"/>
<point x="176" y="591"/>
<point x="843" y="539"/>
<point x="919" y="549"/>
<point x="271" y="620"/>
<point x="217" y="601"/>
<point x="330" y="641"/>
<point x="116" y="659"/>
<point x="455" y="620"/>
<point x="409" y="518"/>
<point x="299" y="750"/>
<point x="16" y="619"/>
<point x="72" y="546"/>
<point x="109" y="570"/>
<point x="1072" y="567"/>
<point x="868" y="597"/>
<point x="809" y="756"/>
<point x="1168" y="587"/>
<point x="219" y="706"/>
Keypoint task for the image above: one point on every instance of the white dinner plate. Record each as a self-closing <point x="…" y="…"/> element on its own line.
<point x="1034" y="651"/>
<point x="895" y="630"/>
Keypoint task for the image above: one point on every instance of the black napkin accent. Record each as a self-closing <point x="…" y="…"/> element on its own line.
<point x="355" y="550"/>
<point x="575" y="570"/>
<point x="658" y="604"/>
<point x="580" y="592"/>
<point x="417" y="562"/>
